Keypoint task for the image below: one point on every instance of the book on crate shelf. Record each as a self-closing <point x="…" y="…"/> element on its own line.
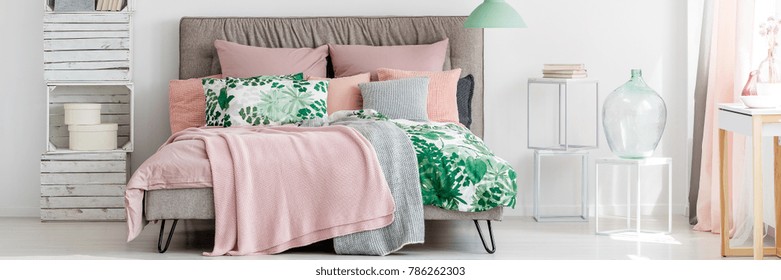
<point x="109" y="5"/>
<point x="564" y="71"/>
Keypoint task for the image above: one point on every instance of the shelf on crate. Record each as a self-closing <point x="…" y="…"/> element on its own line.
<point x="68" y="151"/>
<point x="48" y="7"/>
<point x="116" y="101"/>
<point x="89" y="83"/>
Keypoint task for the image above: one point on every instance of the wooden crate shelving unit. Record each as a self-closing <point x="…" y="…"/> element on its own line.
<point x="87" y="47"/>
<point x="83" y="186"/>
<point x="87" y="59"/>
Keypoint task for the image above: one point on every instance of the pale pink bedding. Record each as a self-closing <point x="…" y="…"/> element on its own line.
<point x="274" y="188"/>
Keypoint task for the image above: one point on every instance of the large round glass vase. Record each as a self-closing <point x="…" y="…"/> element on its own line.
<point x="634" y="117"/>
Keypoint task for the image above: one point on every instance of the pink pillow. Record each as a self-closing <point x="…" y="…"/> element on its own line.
<point x="240" y="61"/>
<point x="350" y="60"/>
<point x="442" y="102"/>
<point x="187" y="104"/>
<point x="344" y="93"/>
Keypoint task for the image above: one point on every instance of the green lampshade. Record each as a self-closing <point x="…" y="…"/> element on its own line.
<point x="494" y="14"/>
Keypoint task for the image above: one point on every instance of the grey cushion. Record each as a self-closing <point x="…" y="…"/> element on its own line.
<point x="398" y="99"/>
<point x="466" y="89"/>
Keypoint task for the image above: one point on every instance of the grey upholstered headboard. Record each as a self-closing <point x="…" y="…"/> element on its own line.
<point x="197" y="55"/>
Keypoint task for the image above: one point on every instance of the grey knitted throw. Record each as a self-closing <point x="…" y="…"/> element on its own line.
<point x="399" y="164"/>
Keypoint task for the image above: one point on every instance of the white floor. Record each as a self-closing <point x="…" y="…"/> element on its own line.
<point x="517" y="239"/>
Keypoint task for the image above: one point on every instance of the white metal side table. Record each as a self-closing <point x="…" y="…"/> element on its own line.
<point x="634" y="165"/>
<point x="565" y="145"/>
<point x="583" y="217"/>
<point x="564" y="114"/>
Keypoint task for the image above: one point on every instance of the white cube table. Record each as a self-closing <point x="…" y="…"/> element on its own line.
<point x="634" y="166"/>
<point x="564" y="145"/>
<point x="566" y="115"/>
<point x="583" y="216"/>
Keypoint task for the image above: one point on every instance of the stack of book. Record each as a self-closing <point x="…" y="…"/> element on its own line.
<point x="564" y="71"/>
<point x="110" y="5"/>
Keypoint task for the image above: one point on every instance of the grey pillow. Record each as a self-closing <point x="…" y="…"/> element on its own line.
<point x="398" y="99"/>
<point x="466" y="89"/>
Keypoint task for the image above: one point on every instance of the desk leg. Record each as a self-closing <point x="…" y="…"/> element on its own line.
<point x="777" y="182"/>
<point x="757" y="163"/>
<point x="724" y="194"/>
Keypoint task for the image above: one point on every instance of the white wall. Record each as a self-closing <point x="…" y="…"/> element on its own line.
<point x="609" y="36"/>
<point x="23" y="109"/>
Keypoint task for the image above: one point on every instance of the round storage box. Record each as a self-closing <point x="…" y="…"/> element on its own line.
<point x="97" y="137"/>
<point x="82" y="113"/>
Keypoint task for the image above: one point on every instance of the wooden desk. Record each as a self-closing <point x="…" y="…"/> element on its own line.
<point x="756" y="123"/>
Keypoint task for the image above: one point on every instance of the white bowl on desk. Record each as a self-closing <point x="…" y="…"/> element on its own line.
<point x="768" y="96"/>
<point x="760" y="101"/>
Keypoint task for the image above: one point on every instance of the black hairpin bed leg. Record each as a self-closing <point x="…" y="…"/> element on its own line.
<point x="160" y="247"/>
<point x="482" y="239"/>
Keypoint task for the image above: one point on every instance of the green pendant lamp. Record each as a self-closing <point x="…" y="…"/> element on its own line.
<point x="494" y="14"/>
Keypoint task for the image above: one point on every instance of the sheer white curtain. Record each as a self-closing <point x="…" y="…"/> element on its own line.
<point x="741" y="190"/>
<point x="734" y="48"/>
<point x="754" y="53"/>
<point x="717" y="82"/>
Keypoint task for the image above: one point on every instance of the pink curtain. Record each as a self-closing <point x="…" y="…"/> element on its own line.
<point x="728" y="66"/>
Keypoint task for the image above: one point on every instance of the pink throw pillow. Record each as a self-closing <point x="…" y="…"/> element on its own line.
<point x="344" y="93"/>
<point x="442" y="102"/>
<point x="187" y="104"/>
<point x="240" y="61"/>
<point x="350" y="60"/>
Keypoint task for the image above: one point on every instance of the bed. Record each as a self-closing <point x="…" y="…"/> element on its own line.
<point x="198" y="59"/>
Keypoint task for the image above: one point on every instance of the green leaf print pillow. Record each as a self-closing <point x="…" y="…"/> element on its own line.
<point x="218" y="101"/>
<point x="264" y="101"/>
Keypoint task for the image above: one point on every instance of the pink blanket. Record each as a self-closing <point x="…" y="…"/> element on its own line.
<point x="274" y="188"/>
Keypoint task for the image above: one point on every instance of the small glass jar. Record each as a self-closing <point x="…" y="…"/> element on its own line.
<point x="769" y="69"/>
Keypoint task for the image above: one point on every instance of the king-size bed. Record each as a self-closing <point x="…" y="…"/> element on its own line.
<point x="198" y="58"/>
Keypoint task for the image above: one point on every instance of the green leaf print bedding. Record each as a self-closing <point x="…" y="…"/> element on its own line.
<point x="457" y="171"/>
<point x="264" y="100"/>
